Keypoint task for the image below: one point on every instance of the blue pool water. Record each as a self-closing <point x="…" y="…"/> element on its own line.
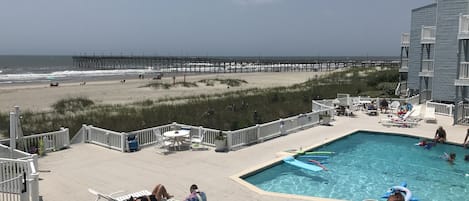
<point x="367" y="164"/>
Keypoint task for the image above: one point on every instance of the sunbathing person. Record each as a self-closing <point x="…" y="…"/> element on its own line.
<point x="196" y="195"/>
<point x="159" y="193"/>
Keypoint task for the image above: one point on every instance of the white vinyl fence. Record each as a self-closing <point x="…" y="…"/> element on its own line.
<point x="441" y="108"/>
<point x="19" y="178"/>
<point x="235" y="139"/>
<point x="51" y="141"/>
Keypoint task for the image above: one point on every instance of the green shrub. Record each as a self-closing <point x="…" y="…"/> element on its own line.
<point x="72" y="105"/>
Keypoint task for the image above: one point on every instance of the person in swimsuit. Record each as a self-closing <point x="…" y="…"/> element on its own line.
<point x="158" y="194"/>
<point x="440" y="135"/>
<point x="196" y="195"/>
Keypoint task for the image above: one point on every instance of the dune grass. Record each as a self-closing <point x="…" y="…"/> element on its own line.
<point x="227" y="111"/>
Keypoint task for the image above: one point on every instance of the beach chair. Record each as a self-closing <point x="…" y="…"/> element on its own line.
<point x="394" y="106"/>
<point x="371" y="109"/>
<point x="162" y="144"/>
<point x="404" y="121"/>
<point x="196" y="141"/>
<point x="429" y="116"/>
<point x="417" y="113"/>
<point x="112" y="197"/>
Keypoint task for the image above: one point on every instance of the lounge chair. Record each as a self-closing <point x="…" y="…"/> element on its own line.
<point x="416" y="114"/>
<point x="429" y="116"/>
<point x="111" y="197"/>
<point x="404" y="121"/>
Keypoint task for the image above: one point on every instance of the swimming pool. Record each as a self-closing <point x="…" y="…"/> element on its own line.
<point x="366" y="164"/>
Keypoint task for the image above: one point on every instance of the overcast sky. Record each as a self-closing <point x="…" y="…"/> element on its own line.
<point x="205" y="27"/>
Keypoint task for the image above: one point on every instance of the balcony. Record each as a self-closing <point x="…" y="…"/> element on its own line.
<point x="404" y="66"/>
<point x="463" y="27"/>
<point x="463" y="79"/>
<point x="405" y="40"/>
<point x="427" y="68"/>
<point x="428" y="35"/>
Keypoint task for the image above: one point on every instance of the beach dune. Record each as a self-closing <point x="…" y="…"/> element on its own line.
<point x="40" y="97"/>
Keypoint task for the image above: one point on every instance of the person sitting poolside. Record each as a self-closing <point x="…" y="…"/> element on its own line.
<point x="159" y="193"/>
<point x="440" y="135"/>
<point x="196" y="195"/>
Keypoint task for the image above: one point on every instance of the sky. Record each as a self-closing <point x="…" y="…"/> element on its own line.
<point x="205" y="27"/>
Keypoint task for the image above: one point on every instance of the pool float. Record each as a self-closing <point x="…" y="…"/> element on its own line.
<point x="319" y="152"/>
<point x="292" y="161"/>
<point x="402" y="188"/>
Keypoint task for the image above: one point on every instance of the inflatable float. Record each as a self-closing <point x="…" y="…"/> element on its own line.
<point x="318" y="152"/>
<point x="292" y="161"/>
<point x="400" y="189"/>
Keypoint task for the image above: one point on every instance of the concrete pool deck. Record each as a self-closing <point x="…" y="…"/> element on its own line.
<point x="67" y="174"/>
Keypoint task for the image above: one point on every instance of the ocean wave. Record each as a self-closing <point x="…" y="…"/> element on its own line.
<point x="70" y="73"/>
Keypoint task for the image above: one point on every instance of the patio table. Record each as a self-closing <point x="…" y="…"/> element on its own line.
<point x="177" y="136"/>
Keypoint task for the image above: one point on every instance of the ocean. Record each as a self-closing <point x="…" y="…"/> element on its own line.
<point x="44" y="69"/>
<point x="38" y="69"/>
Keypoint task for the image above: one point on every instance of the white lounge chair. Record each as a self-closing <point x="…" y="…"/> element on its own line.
<point x="429" y="116"/>
<point x="111" y="197"/>
<point x="417" y="113"/>
<point x="404" y="121"/>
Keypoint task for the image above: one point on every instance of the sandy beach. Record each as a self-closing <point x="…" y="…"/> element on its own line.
<point x="40" y="97"/>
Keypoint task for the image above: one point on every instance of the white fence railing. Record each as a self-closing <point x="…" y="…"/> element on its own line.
<point x="464" y="70"/>
<point x="254" y="134"/>
<point x="427" y="65"/>
<point x="463" y="27"/>
<point x="405" y="39"/>
<point x="107" y="138"/>
<point x="428" y="34"/>
<point x="11" y="189"/>
<point x="45" y="142"/>
<point x="19" y="179"/>
<point x="441" y="108"/>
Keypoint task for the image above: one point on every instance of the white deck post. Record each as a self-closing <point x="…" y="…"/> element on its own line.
<point x="12" y="133"/>
<point x="123" y="141"/>
<point x="258" y="133"/>
<point x="34" y="186"/>
<point x="229" y="140"/>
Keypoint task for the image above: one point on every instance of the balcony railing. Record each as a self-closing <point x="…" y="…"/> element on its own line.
<point x="427" y="65"/>
<point x="464" y="70"/>
<point x="404" y="63"/>
<point x="428" y="34"/>
<point x="463" y="27"/>
<point x="405" y="39"/>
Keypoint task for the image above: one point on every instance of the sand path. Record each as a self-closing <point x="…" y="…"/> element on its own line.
<point x="40" y="97"/>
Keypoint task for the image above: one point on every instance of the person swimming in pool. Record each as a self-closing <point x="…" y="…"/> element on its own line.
<point x="450" y="157"/>
<point x="396" y="196"/>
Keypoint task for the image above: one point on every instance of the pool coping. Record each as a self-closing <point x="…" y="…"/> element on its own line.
<point x="280" y="155"/>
